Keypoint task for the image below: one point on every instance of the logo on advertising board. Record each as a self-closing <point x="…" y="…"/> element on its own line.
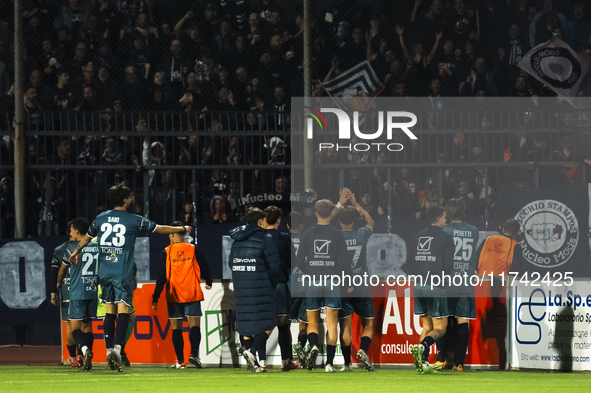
<point x="550" y="232"/>
<point x="527" y="318"/>
<point x="220" y="319"/>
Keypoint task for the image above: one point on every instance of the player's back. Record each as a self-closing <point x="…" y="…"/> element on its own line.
<point x="116" y="231"/>
<point x="323" y="251"/>
<point x="465" y="251"/>
<point x="356" y="241"/>
<point x="84" y="275"/>
<point x="283" y="242"/>
<point x="296" y="274"/>
<point x="430" y="252"/>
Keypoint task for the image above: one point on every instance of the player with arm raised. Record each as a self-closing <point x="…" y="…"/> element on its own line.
<point x="323" y="253"/>
<point x="83" y="291"/>
<point x="116" y="231"/>
<point x="362" y="303"/>
<point x="460" y="302"/>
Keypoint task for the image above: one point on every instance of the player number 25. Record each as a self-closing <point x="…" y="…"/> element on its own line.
<point x="118" y="230"/>
<point x="463" y="248"/>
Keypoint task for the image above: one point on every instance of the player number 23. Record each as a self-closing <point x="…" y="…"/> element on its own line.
<point x="118" y="230"/>
<point x="463" y="249"/>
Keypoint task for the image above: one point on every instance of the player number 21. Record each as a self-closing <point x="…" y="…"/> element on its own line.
<point x="119" y="231"/>
<point x="87" y="259"/>
<point x="463" y="248"/>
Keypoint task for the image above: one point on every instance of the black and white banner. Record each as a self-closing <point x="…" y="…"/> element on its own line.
<point x="349" y="83"/>
<point x="554" y="227"/>
<point x="558" y="66"/>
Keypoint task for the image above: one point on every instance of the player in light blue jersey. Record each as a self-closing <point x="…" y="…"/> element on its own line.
<point x="362" y="303"/>
<point x="460" y="302"/>
<point x="116" y="231"/>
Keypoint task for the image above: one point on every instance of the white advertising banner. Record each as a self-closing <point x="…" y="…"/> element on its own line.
<point x="551" y="325"/>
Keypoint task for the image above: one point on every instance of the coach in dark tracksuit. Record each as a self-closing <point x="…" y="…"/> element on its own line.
<point x="430" y="253"/>
<point x="256" y="271"/>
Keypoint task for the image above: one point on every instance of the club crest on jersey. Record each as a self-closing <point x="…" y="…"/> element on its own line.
<point x="112" y="258"/>
<point x="549" y="232"/>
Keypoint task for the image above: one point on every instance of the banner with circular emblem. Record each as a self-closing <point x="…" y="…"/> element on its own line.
<point x="554" y="227"/>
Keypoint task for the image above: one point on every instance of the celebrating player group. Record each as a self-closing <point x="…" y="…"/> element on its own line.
<point x="269" y="269"/>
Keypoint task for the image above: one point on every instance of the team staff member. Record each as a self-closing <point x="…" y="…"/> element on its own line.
<point x="431" y="251"/>
<point x="501" y="253"/>
<point x="323" y="252"/>
<point x="282" y="295"/>
<point x="180" y="269"/>
<point x="256" y="271"/>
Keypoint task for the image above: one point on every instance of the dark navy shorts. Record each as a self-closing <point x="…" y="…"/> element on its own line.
<point x="117" y="291"/>
<point x="462" y="306"/>
<point x="428" y="306"/>
<point x="282" y="299"/>
<point x="362" y="306"/>
<point x="298" y="309"/>
<point x="316" y="303"/>
<point x="83" y="309"/>
<point x="65" y="311"/>
<point x="180" y="310"/>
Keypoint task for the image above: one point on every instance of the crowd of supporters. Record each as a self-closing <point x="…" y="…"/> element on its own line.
<point x="90" y="64"/>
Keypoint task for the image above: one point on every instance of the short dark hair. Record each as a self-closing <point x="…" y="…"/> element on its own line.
<point x="253" y="215"/>
<point x="347" y="214"/>
<point x="273" y="214"/>
<point x="178" y="224"/>
<point x="118" y="194"/>
<point x="455" y="209"/>
<point x="80" y="224"/>
<point x="323" y="208"/>
<point x="511" y="227"/>
<point x="295" y="221"/>
<point x="434" y="213"/>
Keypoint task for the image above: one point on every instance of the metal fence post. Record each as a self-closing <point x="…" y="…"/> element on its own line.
<point x="19" y="120"/>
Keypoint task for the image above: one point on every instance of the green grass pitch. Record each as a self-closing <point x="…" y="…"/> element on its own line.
<point x="160" y="379"/>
